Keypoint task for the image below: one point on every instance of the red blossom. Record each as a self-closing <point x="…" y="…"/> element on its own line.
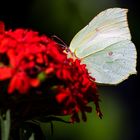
<point x="20" y="82"/>
<point x="6" y="72"/>
<point x="36" y="64"/>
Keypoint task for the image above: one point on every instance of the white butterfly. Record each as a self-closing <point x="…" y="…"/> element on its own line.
<point x="105" y="46"/>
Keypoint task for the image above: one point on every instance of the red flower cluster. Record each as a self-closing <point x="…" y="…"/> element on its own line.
<point x="30" y="63"/>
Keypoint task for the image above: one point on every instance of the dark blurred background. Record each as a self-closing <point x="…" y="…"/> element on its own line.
<point x="120" y="104"/>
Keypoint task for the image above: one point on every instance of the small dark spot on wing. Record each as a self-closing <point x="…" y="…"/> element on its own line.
<point x="110" y="53"/>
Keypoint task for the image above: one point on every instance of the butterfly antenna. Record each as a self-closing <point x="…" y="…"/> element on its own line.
<point x="63" y="44"/>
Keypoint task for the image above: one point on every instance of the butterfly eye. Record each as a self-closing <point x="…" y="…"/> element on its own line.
<point x="67" y="49"/>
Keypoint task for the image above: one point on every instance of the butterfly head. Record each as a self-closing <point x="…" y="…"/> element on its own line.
<point x="70" y="54"/>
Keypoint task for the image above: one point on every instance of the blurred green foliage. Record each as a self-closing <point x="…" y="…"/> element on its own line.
<point x="111" y="127"/>
<point x="65" y="18"/>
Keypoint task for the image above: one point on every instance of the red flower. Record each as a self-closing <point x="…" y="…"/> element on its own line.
<point x="81" y="90"/>
<point x="33" y="64"/>
<point x="5" y="72"/>
<point x="22" y="53"/>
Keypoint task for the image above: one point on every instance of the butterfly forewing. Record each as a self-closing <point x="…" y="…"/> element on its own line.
<point x="108" y="27"/>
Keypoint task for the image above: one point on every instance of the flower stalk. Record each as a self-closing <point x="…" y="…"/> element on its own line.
<point x="5" y="123"/>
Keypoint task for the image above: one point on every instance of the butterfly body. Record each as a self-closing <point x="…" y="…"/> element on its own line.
<point x="105" y="46"/>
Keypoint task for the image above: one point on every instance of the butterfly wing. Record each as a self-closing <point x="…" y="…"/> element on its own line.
<point x="101" y="46"/>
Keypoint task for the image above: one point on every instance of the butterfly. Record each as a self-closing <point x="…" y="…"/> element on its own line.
<point x="105" y="46"/>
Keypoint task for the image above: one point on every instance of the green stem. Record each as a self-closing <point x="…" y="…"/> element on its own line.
<point x="5" y="125"/>
<point x="32" y="137"/>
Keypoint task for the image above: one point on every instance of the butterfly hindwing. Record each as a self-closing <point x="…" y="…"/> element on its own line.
<point x="113" y="64"/>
